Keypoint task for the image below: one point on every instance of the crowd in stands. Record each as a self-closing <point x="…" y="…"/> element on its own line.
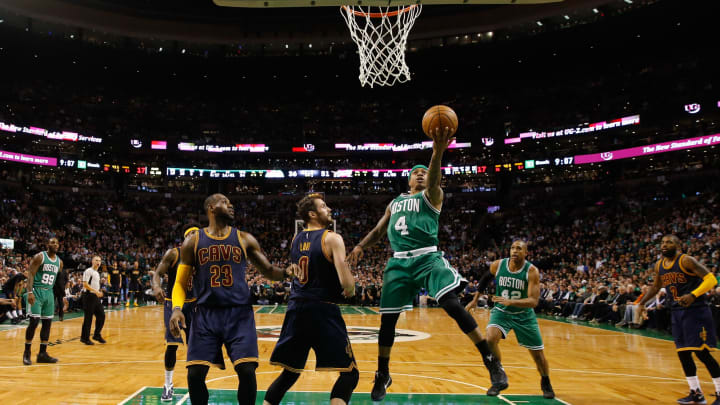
<point x="596" y="251"/>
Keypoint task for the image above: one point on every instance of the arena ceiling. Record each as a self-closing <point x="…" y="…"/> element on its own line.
<point x="202" y="21"/>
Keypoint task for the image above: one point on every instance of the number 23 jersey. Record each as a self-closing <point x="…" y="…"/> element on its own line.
<point x="220" y="264"/>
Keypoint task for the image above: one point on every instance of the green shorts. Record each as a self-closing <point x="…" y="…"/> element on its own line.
<point x="524" y="323"/>
<point x="403" y="278"/>
<point x="44" y="306"/>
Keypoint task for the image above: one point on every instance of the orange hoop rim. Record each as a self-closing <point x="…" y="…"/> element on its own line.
<point x="380" y="15"/>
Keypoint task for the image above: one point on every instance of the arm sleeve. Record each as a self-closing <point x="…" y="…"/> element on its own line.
<point x="709" y="281"/>
<point x="178" y="290"/>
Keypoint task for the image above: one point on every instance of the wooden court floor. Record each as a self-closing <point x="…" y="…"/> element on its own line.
<point x="588" y="365"/>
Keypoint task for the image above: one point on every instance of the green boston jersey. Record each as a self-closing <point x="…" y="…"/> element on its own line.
<point x="512" y="285"/>
<point x="413" y="222"/>
<point x="47" y="273"/>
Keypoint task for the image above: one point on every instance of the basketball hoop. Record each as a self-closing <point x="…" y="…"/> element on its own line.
<point x="381" y="36"/>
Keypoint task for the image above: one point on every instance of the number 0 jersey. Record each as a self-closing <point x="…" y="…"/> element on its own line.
<point x="318" y="279"/>
<point x="46" y="273"/>
<point x="678" y="282"/>
<point x="413" y="222"/>
<point x="512" y="285"/>
<point x="220" y="262"/>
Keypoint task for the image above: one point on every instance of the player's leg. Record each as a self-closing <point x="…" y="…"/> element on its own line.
<point x="442" y="281"/>
<point x="398" y="291"/>
<point x="280" y="386"/>
<point x="290" y="352"/>
<point x="196" y="383"/>
<point x="240" y="338"/>
<point x="527" y="332"/>
<point x="34" y="312"/>
<point x="47" y="311"/>
<point x="685" y="343"/>
<point x="333" y="350"/>
<point x="705" y="333"/>
<point x="499" y="326"/>
<point x="493" y="334"/>
<point x="171" y="345"/>
<point x="204" y="349"/>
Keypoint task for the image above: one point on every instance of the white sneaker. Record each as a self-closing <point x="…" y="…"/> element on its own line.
<point x="167" y="394"/>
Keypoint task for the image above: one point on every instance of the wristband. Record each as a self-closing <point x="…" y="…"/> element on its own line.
<point x="174" y="308"/>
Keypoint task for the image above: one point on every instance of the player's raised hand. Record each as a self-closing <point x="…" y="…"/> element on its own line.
<point x="177" y="321"/>
<point x="442" y="137"/>
<point x="354" y="257"/>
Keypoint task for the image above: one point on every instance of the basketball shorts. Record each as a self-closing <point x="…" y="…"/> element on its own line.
<point x="313" y="325"/>
<point x="403" y="278"/>
<point x="114" y="290"/>
<point x="187" y="311"/>
<point x="524" y="324"/>
<point x="693" y="329"/>
<point x="134" y="287"/>
<point x="44" y="306"/>
<point x="213" y="327"/>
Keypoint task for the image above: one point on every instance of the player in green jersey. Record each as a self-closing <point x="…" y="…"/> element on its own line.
<point x="43" y="271"/>
<point x="517" y="292"/>
<point x="411" y="223"/>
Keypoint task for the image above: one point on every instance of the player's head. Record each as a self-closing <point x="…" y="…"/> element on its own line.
<point x="518" y="250"/>
<point x="190" y="228"/>
<point x="219" y="207"/>
<point x="418" y="175"/>
<point x="96" y="262"/>
<point x="53" y="245"/>
<point x="670" y="246"/>
<point x="312" y="209"/>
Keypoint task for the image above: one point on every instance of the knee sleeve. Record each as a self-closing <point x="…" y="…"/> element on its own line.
<point x="345" y="385"/>
<point x="450" y="303"/>
<point x="196" y="384"/>
<point x="387" y="329"/>
<point x="688" y="364"/>
<point x="170" y="357"/>
<point x="280" y="386"/>
<point x="30" y="331"/>
<point x="710" y="362"/>
<point x="247" y="384"/>
<point x="45" y="330"/>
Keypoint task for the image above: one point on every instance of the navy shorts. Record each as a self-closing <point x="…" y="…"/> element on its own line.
<point x="213" y="327"/>
<point x="318" y="326"/>
<point x="187" y="311"/>
<point x="693" y="329"/>
<point x="114" y="290"/>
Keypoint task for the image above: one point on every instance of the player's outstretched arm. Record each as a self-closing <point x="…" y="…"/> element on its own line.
<point x="187" y="261"/>
<point x="259" y="260"/>
<point x="32" y="270"/>
<point x="533" y="292"/>
<point x="337" y="247"/>
<point x="482" y="283"/>
<point x="442" y="138"/>
<point x="654" y="288"/>
<point x="690" y="264"/>
<point x="167" y="260"/>
<point x="370" y="239"/>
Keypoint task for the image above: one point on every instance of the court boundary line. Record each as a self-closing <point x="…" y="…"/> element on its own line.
<point x="610" y="331"/>
<point x="133" y="395"/>
<point x="186" y="396"/>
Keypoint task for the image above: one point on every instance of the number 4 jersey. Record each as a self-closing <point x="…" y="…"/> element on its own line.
<point x="47" y="273"/>
<point x="512" y="285"/>
<point x="413" y="222"/>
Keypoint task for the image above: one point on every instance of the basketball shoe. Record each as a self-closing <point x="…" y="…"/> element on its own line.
<point x="168" y="393"/>
<point x="380" y="386"/>
<point x="695" y="397"/>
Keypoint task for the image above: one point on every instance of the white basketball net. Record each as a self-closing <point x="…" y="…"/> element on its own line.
<point x="381" y="36"/>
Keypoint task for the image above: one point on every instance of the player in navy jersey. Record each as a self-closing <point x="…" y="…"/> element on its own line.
<point x="313" y="320"/>
<point x="686" y="282"/>
<point x="223" y="314"/>
<point x="168" y="265"/>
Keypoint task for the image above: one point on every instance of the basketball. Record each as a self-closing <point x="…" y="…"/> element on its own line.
<point x="439" y="116"/>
